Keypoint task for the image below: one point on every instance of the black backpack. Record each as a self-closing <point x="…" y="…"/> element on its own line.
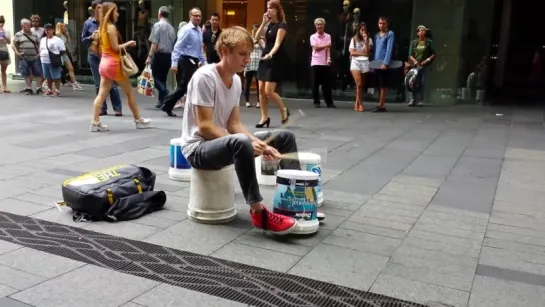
<point x="114" y="194"/>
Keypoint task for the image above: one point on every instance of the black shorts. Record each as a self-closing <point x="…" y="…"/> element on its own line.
<point x="383" y="78"/>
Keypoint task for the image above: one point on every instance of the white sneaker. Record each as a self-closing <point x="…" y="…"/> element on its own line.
<point x="77" y="87"/>
<point x="98" y="127"/>
<point x="142" y="123"/>
<point x="248" y="104"/>
<point x="258" y="105"/>
<point x="420" y="103"/>
<point x="411" y="103"/>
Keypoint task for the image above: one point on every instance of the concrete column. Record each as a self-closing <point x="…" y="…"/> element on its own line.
<point x="504" y="43"/>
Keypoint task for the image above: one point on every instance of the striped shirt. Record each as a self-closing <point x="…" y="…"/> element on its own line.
<point x="164" y="35"/>
<point x="27" y="48"/>
<point x="255" y="57"/>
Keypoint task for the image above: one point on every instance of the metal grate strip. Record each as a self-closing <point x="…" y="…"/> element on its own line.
<point x="234" y="281"/>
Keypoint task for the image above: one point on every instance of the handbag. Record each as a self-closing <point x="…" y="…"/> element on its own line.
<point x="56" y="59"/>
<point x="145" y="83"/>
<point x="128" y="65"/>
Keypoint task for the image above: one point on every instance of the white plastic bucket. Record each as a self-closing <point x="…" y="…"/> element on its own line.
<point x="295" y="196"/>
<point x="311" y="162"/>
<point x="180" y="170"/>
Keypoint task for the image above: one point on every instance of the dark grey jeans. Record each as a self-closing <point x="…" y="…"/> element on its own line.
<point x="237" y="149"/>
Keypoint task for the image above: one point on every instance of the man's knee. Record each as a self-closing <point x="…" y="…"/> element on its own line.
<point x="241" y="141"/>
<point x="286" y="135"/>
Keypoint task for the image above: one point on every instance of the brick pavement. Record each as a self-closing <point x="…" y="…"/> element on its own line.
<point x="437" y="205"/>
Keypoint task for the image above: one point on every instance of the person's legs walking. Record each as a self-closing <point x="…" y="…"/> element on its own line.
<point x="115" y="98"/>
<point x="160" y="66"/>
<point x="94" y="62"/>
<point x="186" y="69"/>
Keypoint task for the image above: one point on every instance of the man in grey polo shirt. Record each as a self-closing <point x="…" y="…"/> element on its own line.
<point x="163" y="38"/>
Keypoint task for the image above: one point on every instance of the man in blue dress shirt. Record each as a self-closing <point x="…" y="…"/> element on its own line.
<point x="88" y="34"/>
<point x="187" y="56"/>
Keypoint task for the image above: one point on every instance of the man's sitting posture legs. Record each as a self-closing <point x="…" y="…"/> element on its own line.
<point x="213" y="136"/>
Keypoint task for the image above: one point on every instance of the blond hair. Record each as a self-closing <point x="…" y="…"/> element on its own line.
<point x="58" y="29"/>
<point x="233" y="37"/>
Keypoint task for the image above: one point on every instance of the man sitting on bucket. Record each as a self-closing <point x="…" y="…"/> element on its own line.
<point x="213" y="136"/>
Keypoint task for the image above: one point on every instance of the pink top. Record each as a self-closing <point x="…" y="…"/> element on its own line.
<point x="319" y="57"/>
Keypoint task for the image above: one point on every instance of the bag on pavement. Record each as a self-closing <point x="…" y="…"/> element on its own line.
<point x="145" y="84"/>
<point x="114" y="194"/>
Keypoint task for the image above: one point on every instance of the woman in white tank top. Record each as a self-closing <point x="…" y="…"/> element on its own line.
<point x="361" y="47"/>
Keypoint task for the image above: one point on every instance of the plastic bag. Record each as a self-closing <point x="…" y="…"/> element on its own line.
<point x="145" y="84"/>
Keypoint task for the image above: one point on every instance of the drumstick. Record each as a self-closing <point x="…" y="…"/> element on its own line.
<point x="290" y="156"/>
<point x="275" y="133"/>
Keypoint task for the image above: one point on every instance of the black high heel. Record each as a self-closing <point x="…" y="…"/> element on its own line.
<point x="288" y="116"/>
<point x="265" y="123"/>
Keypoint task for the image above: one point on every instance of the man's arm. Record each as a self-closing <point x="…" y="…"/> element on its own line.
<point x="204" y="107"/>
<point x="235" y="126"/>
<point x="85" y="37"/>
<point x="154" y="39"/>
<point x="389" y="48"/>
<point x="202" y="59"/>
<point x="177" y="50"/>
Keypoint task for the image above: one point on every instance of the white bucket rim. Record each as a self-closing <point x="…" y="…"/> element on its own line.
<point x="296" y="174"/>
<point x="309" y="157"/>
<point x="176" y="142"/>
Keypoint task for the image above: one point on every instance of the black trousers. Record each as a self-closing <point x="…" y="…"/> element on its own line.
<point x="321" y="75"/>
<point x="250" y="75"/>
<point x="186" y="69"/>
<point x="160" y="66"/>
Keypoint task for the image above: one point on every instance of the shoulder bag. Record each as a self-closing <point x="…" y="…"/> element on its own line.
<point x="56" y="60"/>
<point x="128" y="65"/>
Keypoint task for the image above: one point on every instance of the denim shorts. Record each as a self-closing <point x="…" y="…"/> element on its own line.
<point x="50" y="72"/>
<point x="33" y="68"/>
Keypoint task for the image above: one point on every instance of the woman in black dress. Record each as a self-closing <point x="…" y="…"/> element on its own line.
<point x="273" y="60"/>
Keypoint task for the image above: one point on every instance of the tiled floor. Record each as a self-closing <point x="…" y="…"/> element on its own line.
<point x="432" y="205"/>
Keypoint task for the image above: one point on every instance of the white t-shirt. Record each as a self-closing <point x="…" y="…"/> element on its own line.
<point x="39" y="32"/>
<point x="55" y="44"/>
<point x="360" y="47"/>
<point x="208" y="90"/>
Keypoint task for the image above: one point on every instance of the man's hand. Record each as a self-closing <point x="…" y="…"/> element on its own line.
<point x="259" y="147"/>
<point x="383" y="67"/>
<point x="174" y="69"/>
<point x="148" y="60"/>
<point x="270" y="153"/>
<point x="94" y="35"/>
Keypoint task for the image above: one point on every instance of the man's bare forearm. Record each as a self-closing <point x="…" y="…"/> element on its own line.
<point x="240" y="128"/>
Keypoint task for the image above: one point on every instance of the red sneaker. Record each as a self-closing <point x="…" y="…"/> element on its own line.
<point x="275" y="223"/>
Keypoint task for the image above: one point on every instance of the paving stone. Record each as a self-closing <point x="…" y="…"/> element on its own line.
<point x="193" y="237"/>
<point x="524" y="154"/>
<point x="6" y="247"/>
<point x="478" y="195"/>
<point x="454" y="217"/>
<point x="447" y="239"/>
<point x="409" y="190"/>
<point x="492" y="292"/>
<point x="332" y="196"/>
<point x="398" y="199"/>
<point x="430" y="264"/>
<point x="395" y="205"/>
<point x="56" y="216"/>
<point x="5" y="291"/>
<point x="417" y="291"/>
<point x="18" y="279"/>
<point x="334" y="211"/>
<point x="513" y="260"/>
<point x="442" y="247"/>
<point x="341" y="266"/>
<point x="21" y="207"/>
<point x="386" y="232"/>
<point x="450" y="229"/>
<point x="401" y="211"/>
<point x="452" y="280"/>
<point x="381" y="223"/>
<point x="416" y="180"/>
<point x="361" y="215"/>
<point x="467" y="213"/>
<point x="521" y="247"/>
<point x="154" y="221"/>
<point x="124" y="229"/>
<point x="8" y="302"/>
<point x="280" y="244"/>
<point x="410" y="143"/>
<point x="170" y="214"/>
<point x="426" y="254"/>
<point x="362" y="241"/>
<point x="39" y="263"/>
<point x="431" y="166"/>
<point x="87" y="281"/>
<point x="167" y="295"/>
<point x="255" y="256"/>
<point x="37" y="199"/>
